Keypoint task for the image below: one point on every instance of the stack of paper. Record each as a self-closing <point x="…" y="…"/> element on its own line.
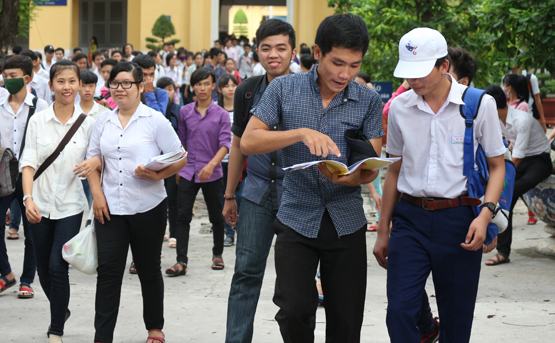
<point x="162" y="161"/>
<point x="342" y="169"/>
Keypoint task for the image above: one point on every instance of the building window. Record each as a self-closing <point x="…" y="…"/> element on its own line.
<point x="104" y="19"/>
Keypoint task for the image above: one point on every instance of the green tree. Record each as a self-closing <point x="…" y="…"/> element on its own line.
<point x="162" y="29"/>
<point x="240" y="22"/>
<point x="15" y="17"/>
<point x="499" y="33"/>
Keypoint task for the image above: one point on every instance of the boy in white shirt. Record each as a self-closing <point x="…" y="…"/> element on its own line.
<point x="15" y="110"/>
<point x="89" y="81"/>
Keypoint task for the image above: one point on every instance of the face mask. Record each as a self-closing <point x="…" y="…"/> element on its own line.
<point x="14" y="85"/>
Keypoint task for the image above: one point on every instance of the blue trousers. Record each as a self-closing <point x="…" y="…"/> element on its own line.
<point x="29" y="266"/>
<point x="254" y="240"/>
<point x="15" y="215"/>
<point x="429" y="241"/>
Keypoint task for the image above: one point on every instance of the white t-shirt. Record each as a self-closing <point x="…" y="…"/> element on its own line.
<point x="58" y="192"/>
<point x="431" y="144"/>
<point x="525" y="133"/>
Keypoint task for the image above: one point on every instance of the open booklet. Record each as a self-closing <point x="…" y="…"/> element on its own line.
<point x="342" y="169"/>
<point x="162" y="161"/>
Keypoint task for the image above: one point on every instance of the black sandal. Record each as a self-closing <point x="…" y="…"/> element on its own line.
<point x="177" y="269"/>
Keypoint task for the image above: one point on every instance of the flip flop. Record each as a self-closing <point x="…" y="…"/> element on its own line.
<point x="156" y="339"/>
<point x="497" y="260"/>
<point x="175" y="270"/>
<point x="217" y="263"/>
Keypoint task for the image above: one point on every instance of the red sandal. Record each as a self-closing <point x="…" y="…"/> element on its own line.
<point x="25" y="292"/>
<point x="5" y="283"/>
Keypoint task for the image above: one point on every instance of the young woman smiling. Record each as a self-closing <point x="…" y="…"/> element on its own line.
<point x="130" y="202"/>
<point x="54" y="202"/>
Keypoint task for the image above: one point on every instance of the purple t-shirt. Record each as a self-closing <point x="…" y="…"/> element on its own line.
<point x="202" y="137"/>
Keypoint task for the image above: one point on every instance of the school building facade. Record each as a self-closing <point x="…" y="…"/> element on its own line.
<point x="72" y="23"/>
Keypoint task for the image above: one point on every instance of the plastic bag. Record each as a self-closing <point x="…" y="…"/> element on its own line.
<point x="81" y="250"/>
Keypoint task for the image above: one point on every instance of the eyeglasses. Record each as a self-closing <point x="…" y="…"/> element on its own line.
<point x="124" y="84"/>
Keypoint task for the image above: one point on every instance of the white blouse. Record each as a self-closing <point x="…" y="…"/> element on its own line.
<point x="58" y="192"/>
<point x="148" y="134"/>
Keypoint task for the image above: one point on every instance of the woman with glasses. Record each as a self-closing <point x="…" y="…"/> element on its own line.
<point x="130" y="200"/>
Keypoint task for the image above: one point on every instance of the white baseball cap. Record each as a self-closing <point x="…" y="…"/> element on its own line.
<point x="419" y="50"/>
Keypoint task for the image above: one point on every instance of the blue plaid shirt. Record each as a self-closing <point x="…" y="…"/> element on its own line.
<point x="294" y="102"/>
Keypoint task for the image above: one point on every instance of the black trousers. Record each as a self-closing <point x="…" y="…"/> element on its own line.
<point x="531" y="171"/>
<point x="213" y="193"/>
<point x="145" y="233"/>
<point x="171" y="190"/>
<point x="343" y="274"/>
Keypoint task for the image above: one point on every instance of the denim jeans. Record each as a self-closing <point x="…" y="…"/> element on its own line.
<point x="254" y="239"/>
<point x="49" y="237"/>
<point x="15" y="215"/>
<point x="29" y="267"/>
<point x="229" y="231"/>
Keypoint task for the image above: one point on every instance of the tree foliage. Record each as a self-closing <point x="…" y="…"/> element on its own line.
<point x="499" y="33"/>
<point x="162" y="29"/>
<point x="15" y="18"/>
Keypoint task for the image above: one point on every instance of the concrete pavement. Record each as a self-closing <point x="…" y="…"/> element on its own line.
<point x="516" y="301"/>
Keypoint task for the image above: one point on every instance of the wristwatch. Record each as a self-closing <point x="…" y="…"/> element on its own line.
<point x="490" y="206"/>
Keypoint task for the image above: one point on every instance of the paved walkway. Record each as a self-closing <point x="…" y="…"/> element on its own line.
<point x="516" y="302"/>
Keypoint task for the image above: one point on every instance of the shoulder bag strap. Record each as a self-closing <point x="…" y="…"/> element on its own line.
<point x="32" y="110"/>
<point x="50" y="159"/>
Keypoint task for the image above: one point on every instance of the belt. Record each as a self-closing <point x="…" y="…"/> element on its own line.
<point x="434" y="204"/>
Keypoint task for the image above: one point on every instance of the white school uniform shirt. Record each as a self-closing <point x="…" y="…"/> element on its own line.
<point x="148" y="134"/>
<point x="12" y="124"/>
<point x="44" y="74"/>
<point x="525" y="133"/>
<point x="99" y="83"/>
<point x="176" y="74"/>
<point x="97" y="110"/>
<point x="58" y="192"/>
<point x="431" y="144"/>
<point x="41" y="87"/>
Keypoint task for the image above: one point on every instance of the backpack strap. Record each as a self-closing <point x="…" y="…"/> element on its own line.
<point x="32" y="110"/>
<point x="472" y="97"/>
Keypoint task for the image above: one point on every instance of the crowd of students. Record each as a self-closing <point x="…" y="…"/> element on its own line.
<point x="240" y="119"/>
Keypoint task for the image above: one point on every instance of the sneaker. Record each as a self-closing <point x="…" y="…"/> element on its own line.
<point x="229" y="241"/>
<point x="433" y="336"/>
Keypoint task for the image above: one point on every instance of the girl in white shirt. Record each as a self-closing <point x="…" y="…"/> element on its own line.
<point x="55" y="201"/>
<point x="130" y="204"/>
